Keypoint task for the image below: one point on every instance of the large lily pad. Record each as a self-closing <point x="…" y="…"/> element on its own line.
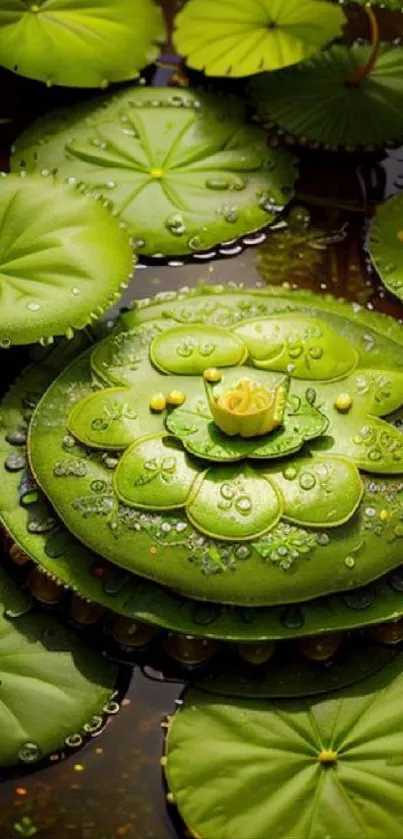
<point x="63" y="260"/>
<point x="386" y="244"/>
<point x="327" y="766"/>
<point x="51" y="685"/>
<point x="79" y="44"/>
<point x="183" y="170"/>
<point x="315" y="102"/>
<point x="238" y="39"/>
<point x="290" y="561"/>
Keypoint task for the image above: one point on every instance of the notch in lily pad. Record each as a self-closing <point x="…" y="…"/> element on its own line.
<point x="248" y="408"/>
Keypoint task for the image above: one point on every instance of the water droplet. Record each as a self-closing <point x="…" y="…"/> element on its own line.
<point x="360" y="599"/>
<point x="17" y="437"/>
<point x="307" y="480"/>
<point x="243" y="504"/>
<point x="175" y="225"/>
<point x="230" y="215"/>
<point x="5" y="343"/>
<point x="370" y="512"/>
<point x="74" y="741"/>
<point x="75" y="291"/>
<point x="33" y="307"/>
<point x="195" y="243"/>
<point x="68" y="441"/>
<point x="349" y="561"/>
<point x="218" y="183"/>
<point x="15" y="462"/>
<point x="290" y="473"/>
<point x="242" y="552"/>
<point x="29" y="753"/>
<point x="316" y="352"/>
<point x="29" y="498"/>
<point x="98" y="486"/>
<point x="323" y="539"/>
<point x="227" y="491"/>
<point x="292" y="618"/>
<point x="41" y="525"/>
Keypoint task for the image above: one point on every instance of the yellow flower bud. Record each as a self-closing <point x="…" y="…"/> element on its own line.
<point x="212" y="375"/>
<point x="343" y="403"/>
<point x="175" y="398"/>
<point x="158" y="403"/>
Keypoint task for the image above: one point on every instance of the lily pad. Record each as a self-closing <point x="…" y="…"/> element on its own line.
<point x="80" y="45"/>
<point x="232" y="503"/>
<point x="316" y="102"/>
<point x="318" y="767"/>
<point x="386" y="244"/>
<point x="113" y="418"/>
<point x="51" y="685"/>
<point x="183" y="170"/>
<point x="238" y="39"/>
<point x="154" y="473"/>
<point x="63" y="260"/>
<point x="192" y="350"/>
<point x="305" y="347"/>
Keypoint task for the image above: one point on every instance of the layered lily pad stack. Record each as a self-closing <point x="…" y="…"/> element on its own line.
<point x="227" y="464"/>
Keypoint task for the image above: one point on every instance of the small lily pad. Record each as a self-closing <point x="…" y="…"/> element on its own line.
<point x="183" y="170"/>
<point x="326" y="766"/>
<point x="305" y="347"/>
<point x="386" y="244"/>
<point x="113" y="418"/>
<point x="192" y="350"/>
<point x="80" y="45"/>
<point x="316" y="103"/>
<point x="239" y="39"/>
<point x="51" y="685"/>
<point x="63" y="260"/>
<point x="232" y="503"/>
<point x="319" y="492"/>
<point x="154" y="474"/>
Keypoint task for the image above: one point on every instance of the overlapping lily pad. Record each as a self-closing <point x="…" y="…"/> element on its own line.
<point x="318" y="102"/>
<point x="386" y="244"/>
<point x="80" y="45"/>
<point x="63" y="260"/>
<point x="183" y="170"/>
<point x="52" y="687"/>
<point x="321" y="766"/>
<point x="352" y="543"/>
<point x="238" y="39"/>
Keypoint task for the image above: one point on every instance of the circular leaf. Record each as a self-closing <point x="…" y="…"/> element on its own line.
<point x="315" y="102"/>
<point x="238" y="39"/>
<point x="386" y="244"/>
<point x="68" y="42"/>
<point x="318" y="767"/>
<point x="63" y="260"/>
<point x="184" y="171"/>
<point x="50" y="684"/>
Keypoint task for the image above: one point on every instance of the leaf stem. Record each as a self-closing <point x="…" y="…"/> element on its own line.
<point x="361" y="73"/>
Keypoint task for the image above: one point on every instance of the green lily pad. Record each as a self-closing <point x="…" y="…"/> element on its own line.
<point x="293" y="675"/>
<point x="318" y="492"/>
<point x="65" y="558"/>
<point x="304" y="347"/>
<point x="183" y="170"/>
<point x="289" y="563"/>
<point x="238" y="39"/>
<point x="79" y="45"/>
<point x="232" y="503"/>
<point x="192" y="350"/>
<point x="154" y="474"/>
<point x="306" y="767"/>
<point x="386" y="244"/>
<point x="63" y="260"/>
<point x="313" y="103"/>
<point x="51" y="685"/>
<point x="113" y="418"/>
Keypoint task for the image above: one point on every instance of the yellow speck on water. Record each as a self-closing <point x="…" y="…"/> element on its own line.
<point x="78" y="767"/>
<point x="176" y="398"/>
<point x="156" y="173"/>
<point x="158" y="403"/>
<point x="327" y="756"/>
<point x="383" y="515"/>
<point x="343" y="402"/>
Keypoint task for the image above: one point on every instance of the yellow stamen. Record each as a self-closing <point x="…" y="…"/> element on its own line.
<point x="327" y="756"/>
<point x="157" y="173"/>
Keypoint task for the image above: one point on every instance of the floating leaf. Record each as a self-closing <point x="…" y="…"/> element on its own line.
<point x="234" y="38"/>
<point x="50" y="685"/>
<point x="192" y="350"/>
<point x="183" y="170"/>
<point x="386" y="244"/>
<point x="316" y="104"/>
<point x="79" y="45"/>
<point x="304" y="767"/>
<point x="63" y="259"/>
<point x="154" y="474"/>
